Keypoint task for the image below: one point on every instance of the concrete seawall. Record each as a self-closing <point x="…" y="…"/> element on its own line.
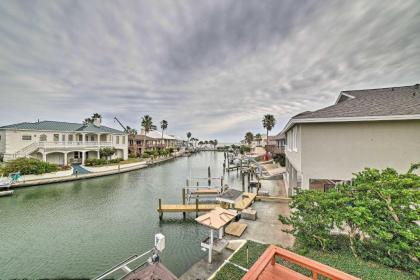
<point x="111" y="170"/>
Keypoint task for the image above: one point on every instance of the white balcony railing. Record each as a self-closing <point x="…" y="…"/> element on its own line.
<point x="74" y="144"/>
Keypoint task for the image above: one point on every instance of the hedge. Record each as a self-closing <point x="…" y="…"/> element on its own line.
<point x="28" y="166"/>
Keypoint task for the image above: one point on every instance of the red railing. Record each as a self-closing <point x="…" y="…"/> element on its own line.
<point x="267" y="268"/>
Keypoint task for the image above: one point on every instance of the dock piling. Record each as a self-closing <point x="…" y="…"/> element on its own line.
<point x="209" y="176"/>
<point x="160" y="209"/>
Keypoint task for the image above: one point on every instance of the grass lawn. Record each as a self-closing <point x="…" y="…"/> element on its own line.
<point x="343" y="261"/>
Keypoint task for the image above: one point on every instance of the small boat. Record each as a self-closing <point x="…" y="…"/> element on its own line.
<point x="5" y="184"/>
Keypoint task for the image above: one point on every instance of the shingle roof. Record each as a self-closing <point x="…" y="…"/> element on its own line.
<point x="60" y="126"/>
<point x="371" y="102"/>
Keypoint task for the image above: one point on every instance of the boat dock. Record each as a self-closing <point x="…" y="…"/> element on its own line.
<point x="245" y="202"/>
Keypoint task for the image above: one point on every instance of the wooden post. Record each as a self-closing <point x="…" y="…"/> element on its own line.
<point x="196" y="207"/>
<point x="183" y="201"/>
<point x="160" y="209"/>
<point x="209" y="176"/>
<point x="243" y="182"/>
<point x="224" y="168"/>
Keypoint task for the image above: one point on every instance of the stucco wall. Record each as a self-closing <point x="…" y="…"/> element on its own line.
<point x="336" y="150"/>
<point x="2" y="141"/>
<point x="295" y="156"/>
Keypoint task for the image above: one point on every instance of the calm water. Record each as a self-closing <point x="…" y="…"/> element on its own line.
<point x="80" y="229"/>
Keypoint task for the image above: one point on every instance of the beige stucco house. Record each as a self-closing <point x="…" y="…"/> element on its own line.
<point x="375" y="128"/>
<point x="60" y="142"/>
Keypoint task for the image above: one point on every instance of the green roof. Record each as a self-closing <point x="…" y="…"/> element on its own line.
<point x="61" y="126"/>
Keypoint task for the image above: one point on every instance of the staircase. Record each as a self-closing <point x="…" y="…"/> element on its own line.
<point x="24" y="152"/>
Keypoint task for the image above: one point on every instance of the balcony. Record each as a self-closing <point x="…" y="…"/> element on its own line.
<point x="64" y="145"/>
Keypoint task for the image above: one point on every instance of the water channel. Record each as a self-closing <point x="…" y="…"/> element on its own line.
<point x="80" y="229"/>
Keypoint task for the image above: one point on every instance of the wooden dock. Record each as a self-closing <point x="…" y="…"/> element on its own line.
<point x="247" y="200"/>
<point x="204" y="191"/>
<point x="273" y="198"/>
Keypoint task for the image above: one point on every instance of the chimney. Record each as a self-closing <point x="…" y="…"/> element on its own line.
<point x="97" y="122"/>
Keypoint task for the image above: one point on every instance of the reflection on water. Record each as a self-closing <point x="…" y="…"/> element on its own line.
<point x="82" y="228"/>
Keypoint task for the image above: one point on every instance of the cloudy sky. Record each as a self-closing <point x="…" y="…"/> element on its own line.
<point x="210" y="67"/>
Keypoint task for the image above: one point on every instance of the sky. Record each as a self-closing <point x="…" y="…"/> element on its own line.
<point x="213" y="68"/>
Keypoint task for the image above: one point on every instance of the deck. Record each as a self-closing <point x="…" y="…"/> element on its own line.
<point x="247" y="200"/>
<point x="187" y="207"/>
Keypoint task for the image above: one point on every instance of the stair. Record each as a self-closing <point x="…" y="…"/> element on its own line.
<point x="79" y="169"/>
<point x="24" y="152"/>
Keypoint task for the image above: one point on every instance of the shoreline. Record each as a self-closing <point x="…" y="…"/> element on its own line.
<point x="69" y="178"/>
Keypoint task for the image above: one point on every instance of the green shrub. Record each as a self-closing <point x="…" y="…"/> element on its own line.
<point x="378" y="211"/>
<point x="106" y="152"/>
<point x="95" y="162"/>
<point x="28" y="166"/>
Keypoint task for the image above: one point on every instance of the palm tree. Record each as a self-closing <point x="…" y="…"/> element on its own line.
<point x="258" y="137"/>
<point x="90" y="120"/>
<point x="268" y="123"/>
<point x="147" y="124"/>
<point x="215" y="142"/>
<point x="131" y="131"/>
<point x="249" y="137"/>
<point x="163" y="126"/>
<point x="188" y="136"/>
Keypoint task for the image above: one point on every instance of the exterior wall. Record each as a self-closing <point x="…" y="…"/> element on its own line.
<point x="57" y="158"/>
<point x="2" y="141"/>
<point x="293" y="176"/>
<point x="337" y="150"/>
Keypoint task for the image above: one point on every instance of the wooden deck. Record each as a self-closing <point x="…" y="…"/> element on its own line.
<point x="187" y="207"/>
<point x="247" y="200"/>
<point x="204" y="191"/>
<point x="267" y="268"/>
<point x="235" y="229"/>
<point x="273" y="198"/>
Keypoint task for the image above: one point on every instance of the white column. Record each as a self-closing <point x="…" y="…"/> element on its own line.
<point x="99" y="139"/>
<point x="44" y="156"/>
<point x="211" y="245"/>
<point x="65" y="158"/>
<point x="83" y="157"/>
<point x="221" y="233"/>
<point x="99" y="155"/>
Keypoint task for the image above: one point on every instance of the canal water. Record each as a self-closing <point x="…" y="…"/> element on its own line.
<point x="80" y="229"/>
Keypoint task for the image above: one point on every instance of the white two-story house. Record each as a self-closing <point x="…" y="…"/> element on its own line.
<point x="375" y="128"/>
<point x="60" y="142"/>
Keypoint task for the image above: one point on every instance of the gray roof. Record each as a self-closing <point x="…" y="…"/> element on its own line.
<point x="61" y="126"/>
<point x="370" y="103"/>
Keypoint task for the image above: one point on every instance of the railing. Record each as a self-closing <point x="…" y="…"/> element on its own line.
<point x="72" y="144"/>
<point x="266" y="265"/>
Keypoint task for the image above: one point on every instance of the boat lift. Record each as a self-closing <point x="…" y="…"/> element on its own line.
<point x="124" y="265"/>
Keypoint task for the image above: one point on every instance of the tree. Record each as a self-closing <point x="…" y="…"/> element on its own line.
<point x="188" y="136"/>
<point x="268" y="123"/>
<point x="163" y="126"/>
<point x="131" y="131"/>
<point x="90" y="120"/>
<point x="258" y="138"/>
<point x="147" y="125"/>
<point x="215" y="142"/>
<point x="249" y="137"/>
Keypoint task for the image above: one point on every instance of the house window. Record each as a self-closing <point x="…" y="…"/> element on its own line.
<point x="70" y="138"/>
<point x="43" y="137"/>
<point x="63" y="138"/>
<point x="117" y="140"/>
<point x="92" y="138"/>
<point x="26" y="137"/>
<point x="56" y="137"/>
<point x="123" y="140"/>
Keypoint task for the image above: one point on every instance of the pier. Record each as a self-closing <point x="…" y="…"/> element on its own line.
<point x="245" y="202"/>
